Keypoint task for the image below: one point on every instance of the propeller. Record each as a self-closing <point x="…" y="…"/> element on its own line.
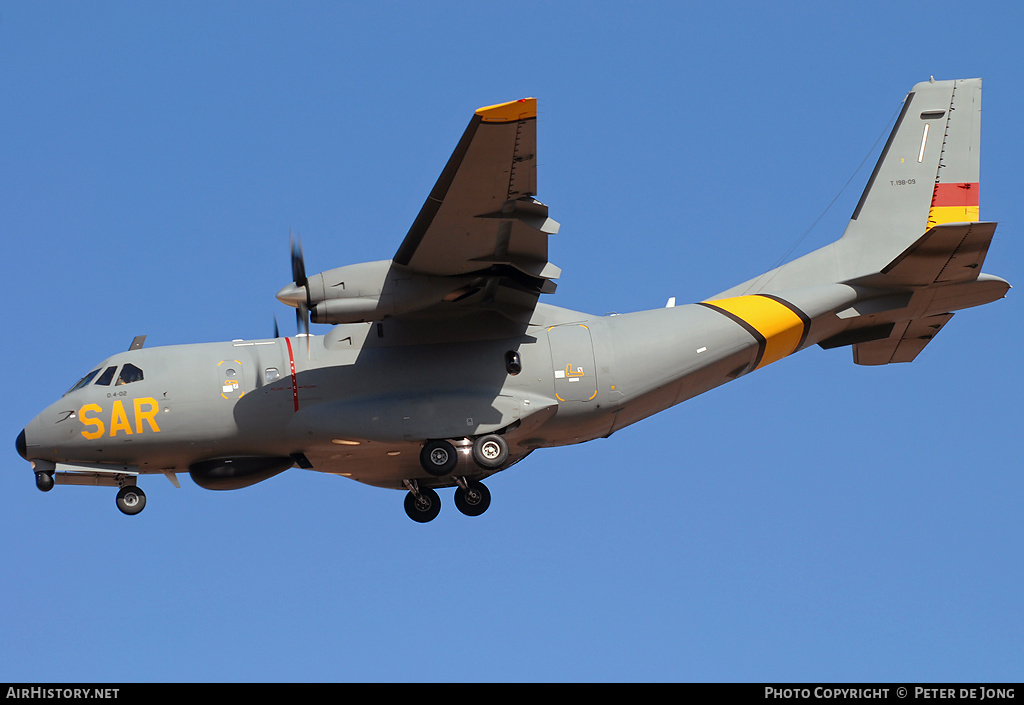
<point x="300" y="281"/>
<point x="297" y="293"/>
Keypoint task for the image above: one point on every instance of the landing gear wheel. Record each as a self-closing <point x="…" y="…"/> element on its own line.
<point x="44" y="481"/>
<point x="423" y="506"/>
<point x="438" y="457"/>
<point x="474" y="500"/>
<point x="131" y="500"/>
<point x="490" y="451"/>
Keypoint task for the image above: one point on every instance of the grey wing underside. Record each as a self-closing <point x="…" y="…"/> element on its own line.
<point x="481" y="222"/>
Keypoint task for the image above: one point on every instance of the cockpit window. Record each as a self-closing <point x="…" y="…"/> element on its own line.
<point x="107" y="377"/>
<point x="84" y="381"/>
<point x="129" y="373"/>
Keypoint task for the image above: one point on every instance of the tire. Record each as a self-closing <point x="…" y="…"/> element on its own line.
<point x="438" y="457"/>
<point x="44" y="481"/>
<point x="474" y="502"/>
<point x="490" y="451"/>
<point x="131" y="500"/>
<point x="424" y="508"/>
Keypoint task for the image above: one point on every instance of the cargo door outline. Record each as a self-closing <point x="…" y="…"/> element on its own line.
<point x="572" y="360"/>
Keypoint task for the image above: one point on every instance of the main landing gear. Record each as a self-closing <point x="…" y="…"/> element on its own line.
<point x="439" y="458"/>
<point x="472" y="498"/>
<point x="422" y="503"/>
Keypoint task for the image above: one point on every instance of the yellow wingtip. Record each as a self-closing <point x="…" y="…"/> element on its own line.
<point x="512" y="111"/>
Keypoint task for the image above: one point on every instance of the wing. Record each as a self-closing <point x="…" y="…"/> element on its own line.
<point x="478" y="248"/>
<point x="481" y="217"/>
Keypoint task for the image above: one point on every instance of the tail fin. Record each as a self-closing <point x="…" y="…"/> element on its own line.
<point x="916" y="231"/>
<point x="913" y="250"/>
<point x="927" y="175"/>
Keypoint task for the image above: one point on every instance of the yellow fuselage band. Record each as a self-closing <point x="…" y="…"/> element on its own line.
<point x="781" y="327"/>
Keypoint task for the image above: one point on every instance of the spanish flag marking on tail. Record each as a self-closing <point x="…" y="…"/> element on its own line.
<point x="779" y="327"/>
<point x="954" y="203"/>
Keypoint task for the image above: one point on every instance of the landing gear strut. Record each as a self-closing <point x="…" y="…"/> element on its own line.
<point x="421" y="504"/>
<point x="439" y="458"/>
<point x="471" y="497"/>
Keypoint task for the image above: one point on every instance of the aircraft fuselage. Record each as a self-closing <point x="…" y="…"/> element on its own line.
<point x="341" y="403"/>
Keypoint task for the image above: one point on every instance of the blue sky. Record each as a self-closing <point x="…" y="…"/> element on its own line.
<point x="816" y="521"/>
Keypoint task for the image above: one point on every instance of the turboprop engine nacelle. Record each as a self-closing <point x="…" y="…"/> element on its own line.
<point x="369" y="291"/>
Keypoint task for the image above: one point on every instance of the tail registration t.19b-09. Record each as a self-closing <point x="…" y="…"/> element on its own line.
<point x="443" y="367"/>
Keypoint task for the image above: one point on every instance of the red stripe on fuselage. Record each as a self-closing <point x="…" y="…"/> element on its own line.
<point x="291" y="365"/>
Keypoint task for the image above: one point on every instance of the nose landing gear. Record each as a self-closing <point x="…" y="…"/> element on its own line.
<point x="44" y="481"/>
<point x="131" y="500"/>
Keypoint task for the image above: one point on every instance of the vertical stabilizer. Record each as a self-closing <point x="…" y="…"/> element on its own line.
<point x="927" y="175"/>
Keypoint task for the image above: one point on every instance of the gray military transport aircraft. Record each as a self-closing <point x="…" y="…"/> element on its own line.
<point x="443" y="367"/>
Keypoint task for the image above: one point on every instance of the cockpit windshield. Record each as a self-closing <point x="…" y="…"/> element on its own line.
<point x="107" y="377"/>
<point x="129" y="373"/>
<point x="84" y="381"/>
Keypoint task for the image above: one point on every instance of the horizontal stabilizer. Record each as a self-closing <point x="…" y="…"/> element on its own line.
<point x="907" y="339"/>
<point x="947" y="253"/>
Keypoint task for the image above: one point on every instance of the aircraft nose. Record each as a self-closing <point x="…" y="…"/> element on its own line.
<point x="21" y="445"/>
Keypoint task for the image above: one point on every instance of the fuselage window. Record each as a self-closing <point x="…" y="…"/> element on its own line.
<point x="129" y="373"/>
<point x="84" y="381"/>
<point x="107" y="377"/>
<point x="270" y="374"/>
